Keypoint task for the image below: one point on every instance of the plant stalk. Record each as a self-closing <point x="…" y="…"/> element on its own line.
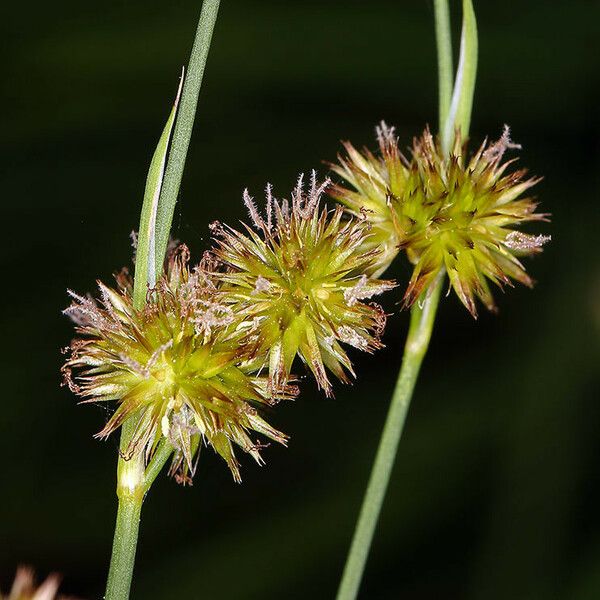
<point x="157" y="462"/>
<point x="133" y="480"/>
<point x="183" y="127"/>
<point x="444" y="57"/>
<point x="455" y="112"/>
<point x="124" y="547"/>
<point x="422" y="317"/>
<point x="130" y="493"/>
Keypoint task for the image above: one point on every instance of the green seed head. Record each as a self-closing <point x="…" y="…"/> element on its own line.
<point x="449" y="213"/>
<point x="298" y="286"/>
<point x="172" y="366"/>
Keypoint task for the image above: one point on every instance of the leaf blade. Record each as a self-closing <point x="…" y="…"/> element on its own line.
<point x="146" y="262"/>
<point x="459" y="115"/>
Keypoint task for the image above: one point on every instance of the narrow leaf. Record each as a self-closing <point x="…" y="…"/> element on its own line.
<point x="459" y="116"/>
<point x="145" y="262"/>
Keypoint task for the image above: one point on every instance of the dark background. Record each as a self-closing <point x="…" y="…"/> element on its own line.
<point x="496" y="489"/>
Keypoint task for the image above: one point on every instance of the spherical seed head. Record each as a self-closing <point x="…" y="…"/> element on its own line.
<point x="171" y="366"/>
<point x="447" y="212"/>
<point x="299" y="287"/>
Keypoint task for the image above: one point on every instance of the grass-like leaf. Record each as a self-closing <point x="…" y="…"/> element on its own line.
<point x="459" y="115"/>
<point x="146" y="256"/>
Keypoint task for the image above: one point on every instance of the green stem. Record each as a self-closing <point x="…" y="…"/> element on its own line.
<point x="133" y="481"/>
<point x="444" y="58"/>
<point x="183" y="127"/>
<point x="130" y="492"/>
<point x="422" y="317"/>
<point x="455" y="112"/>
<point x="124" y="547"/>
<point x="160" y="457"/>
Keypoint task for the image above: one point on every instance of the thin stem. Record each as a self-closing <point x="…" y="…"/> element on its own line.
<point x="444" y="58"/>
<point x="160" y="457"/>
<point x="183" y="127"/>
<point x="133" y="481"/>
<point x="422" y="318"/>
<point x="455" y="112"/>
<point x="130" y="492"/>
<point x="124" y="547"/>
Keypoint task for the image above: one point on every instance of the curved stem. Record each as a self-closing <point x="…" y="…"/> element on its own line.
<point x="422" y="317"/>
<point x="444" y="58"/>
<point x="455" y="111"/>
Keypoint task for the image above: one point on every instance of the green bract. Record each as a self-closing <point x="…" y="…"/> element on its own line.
<point x="298" y="285"/>
<point x="449" y="213"/>
<point x="172" y="366"/>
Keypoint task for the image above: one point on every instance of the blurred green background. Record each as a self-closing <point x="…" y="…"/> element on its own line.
<point x="496" y="489"/>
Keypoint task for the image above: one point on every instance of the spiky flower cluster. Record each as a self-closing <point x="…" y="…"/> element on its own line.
<point x="187" y="366"/>
<point x="448" y="213"/>
<point x="172" y="366"/>
<point x="297" y="283"/>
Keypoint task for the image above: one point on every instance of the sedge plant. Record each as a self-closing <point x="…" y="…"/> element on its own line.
<point x="454" y="215"/>
<point x="120" y="336"/>
<point x="192" y="355"/>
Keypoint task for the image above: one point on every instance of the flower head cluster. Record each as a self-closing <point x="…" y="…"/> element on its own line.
<point x="172" y="366"/>
<point x="188" y="367"/>
<point x="298" y="286"/>
<point x="449" y="213"/>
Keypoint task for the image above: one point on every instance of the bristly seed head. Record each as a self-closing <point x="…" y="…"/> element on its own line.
<point x="172" y="366"/>
<point x="447" y="212"/>
<point x="297" y="283"/>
